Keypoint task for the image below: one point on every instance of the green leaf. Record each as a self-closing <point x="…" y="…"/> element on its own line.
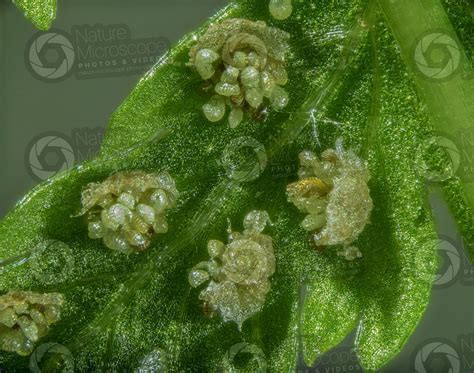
<point x="446" y="98"/>
<point x="346" y="79"/>
<point x="40" y="12"/>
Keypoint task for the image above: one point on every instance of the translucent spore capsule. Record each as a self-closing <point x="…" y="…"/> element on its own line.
<point x="227" y="89"/>
<point x="238" y="274"/>
<point x="25" y="317"/>
<point x="214" y="110"/>
<point x="235" y="117"/>
<point x="245" y="61"/>
<point x="280" y="9"/>
<point x="334" y="193"/>
<point x="128" y="208"/>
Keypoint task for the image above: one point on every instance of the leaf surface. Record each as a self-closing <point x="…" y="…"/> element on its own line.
<point x="346" y="80"/>
<point x="39" y="12"/>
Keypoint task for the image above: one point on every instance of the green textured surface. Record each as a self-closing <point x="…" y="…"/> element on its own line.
<point x="40" y="12"/>
<point x="461" y="16"/>
<point x="345" y="69"/>
<point x="449" y="100"/>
